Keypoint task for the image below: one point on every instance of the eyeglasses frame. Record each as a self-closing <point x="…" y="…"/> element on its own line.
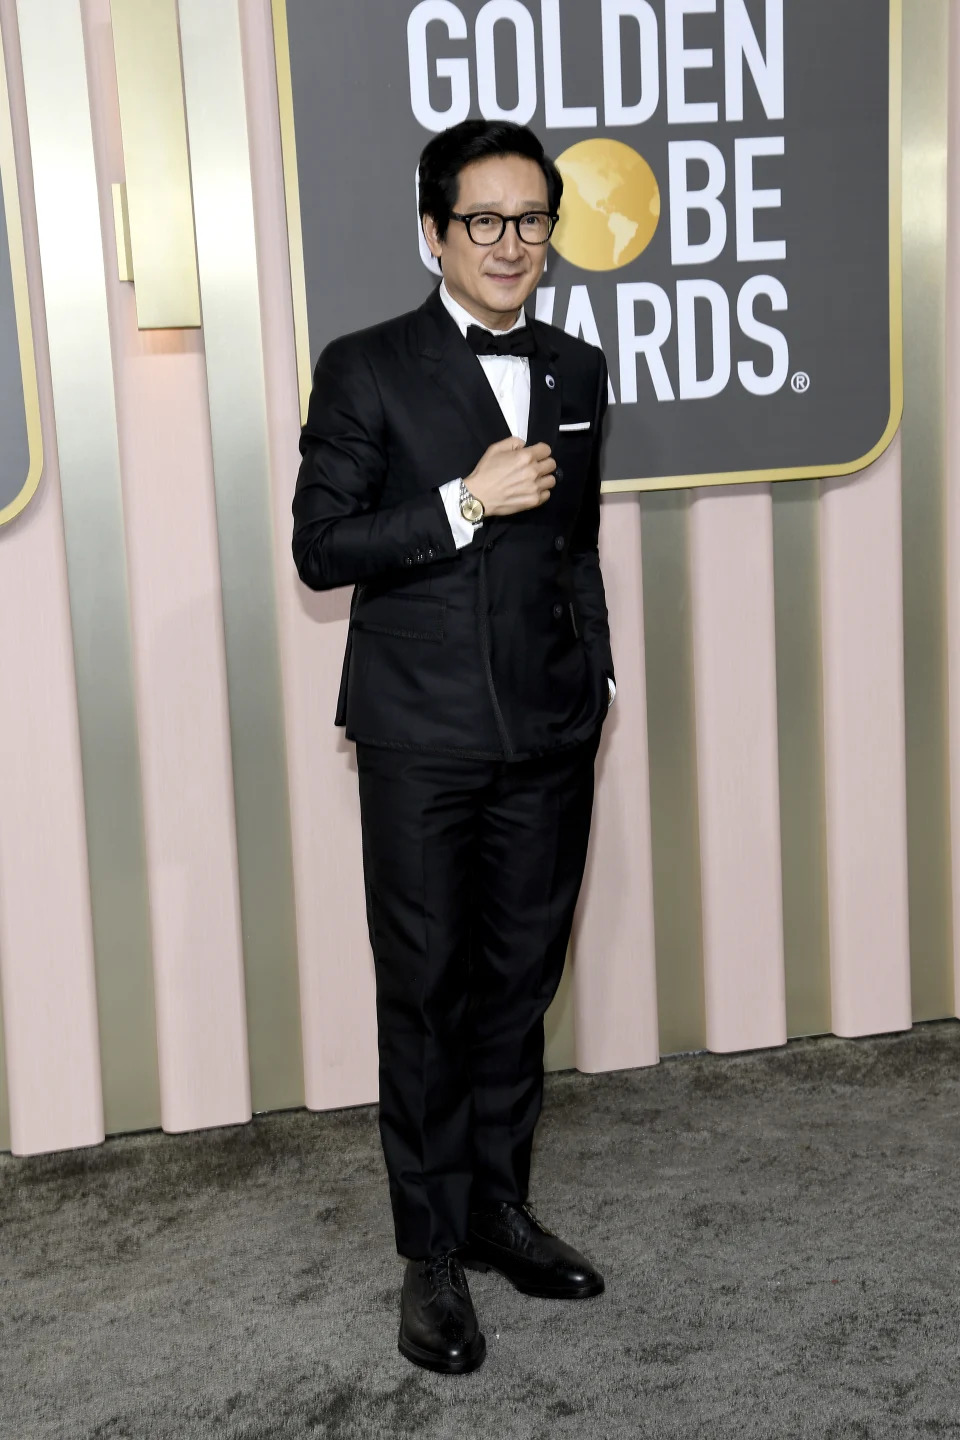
<point x="506" y="220"/>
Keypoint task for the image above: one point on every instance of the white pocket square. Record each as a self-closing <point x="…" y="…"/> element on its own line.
<point x="576" y="425"/>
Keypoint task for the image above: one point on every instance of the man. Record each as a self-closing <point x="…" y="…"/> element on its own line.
<point x="451" y="473"/>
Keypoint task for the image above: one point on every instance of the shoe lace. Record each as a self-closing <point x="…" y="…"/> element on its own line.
<point x="526" y="1210"/>
<point x="445" y="1272"/>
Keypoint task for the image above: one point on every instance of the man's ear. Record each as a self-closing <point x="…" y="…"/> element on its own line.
<point x="434" y="243"/>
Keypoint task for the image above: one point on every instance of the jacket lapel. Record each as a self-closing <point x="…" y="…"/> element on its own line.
<point x="458" y="372"/>
<point x="545" y="390"/>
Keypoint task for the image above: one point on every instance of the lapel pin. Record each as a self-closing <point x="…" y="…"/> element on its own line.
<point x="550" y="381"/>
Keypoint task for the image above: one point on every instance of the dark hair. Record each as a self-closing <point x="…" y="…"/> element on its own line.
<point x="449" y="152"/>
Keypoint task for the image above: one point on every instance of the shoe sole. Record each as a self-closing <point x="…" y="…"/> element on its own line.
<point x="428" y="1361"/>
<point x="539" y="1292"/>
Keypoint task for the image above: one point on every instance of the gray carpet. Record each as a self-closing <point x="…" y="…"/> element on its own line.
<point x="779" y="1233"/>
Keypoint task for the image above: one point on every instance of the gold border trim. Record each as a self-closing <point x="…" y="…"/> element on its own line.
<point x="298" y="283"/>
<point x="121" y="226"/>
<point x="21" y="303"/>
<point x="291" y="190"/>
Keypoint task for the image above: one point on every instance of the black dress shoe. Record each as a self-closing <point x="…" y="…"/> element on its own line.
<point x="438" y="1324"/>
<point x="510" y="1238"/>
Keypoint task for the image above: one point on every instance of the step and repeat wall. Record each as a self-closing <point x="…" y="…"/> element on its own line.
<point x="198" y="195"/>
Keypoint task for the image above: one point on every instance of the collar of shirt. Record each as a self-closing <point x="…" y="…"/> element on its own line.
<point x="463" y="317"/>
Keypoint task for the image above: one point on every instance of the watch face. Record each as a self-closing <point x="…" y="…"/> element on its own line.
<point x="472" y="510"/>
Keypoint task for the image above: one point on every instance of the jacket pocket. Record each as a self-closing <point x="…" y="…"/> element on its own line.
<point x="406" y="617"/>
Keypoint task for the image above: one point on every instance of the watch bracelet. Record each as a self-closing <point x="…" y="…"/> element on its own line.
<point x="466" y="495"/>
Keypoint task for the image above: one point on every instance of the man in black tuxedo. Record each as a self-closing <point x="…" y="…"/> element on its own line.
<point x="451" y="474"/>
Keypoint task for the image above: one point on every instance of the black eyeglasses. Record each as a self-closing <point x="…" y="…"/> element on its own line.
<point x="487" y="227"/>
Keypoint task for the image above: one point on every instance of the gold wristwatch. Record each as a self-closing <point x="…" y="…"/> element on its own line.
<point x="470" y="507"/>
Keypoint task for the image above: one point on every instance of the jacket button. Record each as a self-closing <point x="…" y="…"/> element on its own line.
<point x="557" y="611"/>
<point x="431" y="554"/>
<point x="559" y="472"/>
<point x="559" y="543"/>
<point x="408" y="559"/>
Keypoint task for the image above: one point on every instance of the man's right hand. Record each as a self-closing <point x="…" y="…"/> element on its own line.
<point x="512" y="477"/>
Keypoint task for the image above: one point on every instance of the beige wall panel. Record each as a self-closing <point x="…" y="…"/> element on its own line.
<point x="81" y="364"/>
<point x="614" y="975"/>
<point x="336" y="967"/>
<point x="52" y="1062"/>
<point x="735" y="684"/>
<point x="864" y="751"/>
<point x="180" y="673"/>
<point x="233" y="337"/>
<point x="925" y="61"/>
<point x="673" y="772"/>
<point x="46" y="942"/>
<point x="952" y="471"/>
<point x="806" y="943"/>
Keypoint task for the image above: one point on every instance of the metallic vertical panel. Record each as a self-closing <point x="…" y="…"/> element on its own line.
<point x="673" y="772"/>
<point x="952" y="465"/>
<point x="72" y="262"/>
<point x="796" y="572"/>
<point x="21" y="301"/>
<point x="925" y="84"/>
<point x="155" y="163"/>
<point x="226" y="250"/>
<point x="121" y="225"/>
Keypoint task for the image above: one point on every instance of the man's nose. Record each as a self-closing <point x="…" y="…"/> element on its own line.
<point x="510" y="246"/>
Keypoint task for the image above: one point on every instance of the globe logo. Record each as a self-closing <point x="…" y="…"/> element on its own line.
<point x="611" y="205"/>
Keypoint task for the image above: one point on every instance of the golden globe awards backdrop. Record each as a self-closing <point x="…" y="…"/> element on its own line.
<point x="730" y="224"/>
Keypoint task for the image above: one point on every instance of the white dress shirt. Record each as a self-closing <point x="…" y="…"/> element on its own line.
<point x="509" y="379"/>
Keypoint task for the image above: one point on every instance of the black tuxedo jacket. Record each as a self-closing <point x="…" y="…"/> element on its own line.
<point x="500" y="649"/>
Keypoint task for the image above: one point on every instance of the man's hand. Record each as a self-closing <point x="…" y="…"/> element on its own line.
<point x="513" y="477"/>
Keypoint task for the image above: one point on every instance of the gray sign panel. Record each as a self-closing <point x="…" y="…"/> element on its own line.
<point x="730" y="225"/>
<point x="14" y="444"/>
<point x="20" y="445"/>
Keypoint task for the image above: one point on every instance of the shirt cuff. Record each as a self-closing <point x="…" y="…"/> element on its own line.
<point x="612" y="687"/>
<point x="463" y="530"/>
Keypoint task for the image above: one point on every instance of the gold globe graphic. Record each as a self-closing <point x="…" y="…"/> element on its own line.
<point x="611" y="205"/>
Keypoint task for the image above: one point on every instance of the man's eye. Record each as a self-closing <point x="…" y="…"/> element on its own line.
<point x="485" y="222"/>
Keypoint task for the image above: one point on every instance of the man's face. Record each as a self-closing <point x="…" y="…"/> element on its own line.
<point x="492" y="282"/>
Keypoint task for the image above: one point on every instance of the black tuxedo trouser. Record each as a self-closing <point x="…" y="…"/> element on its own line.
<point x="472" y="872"/>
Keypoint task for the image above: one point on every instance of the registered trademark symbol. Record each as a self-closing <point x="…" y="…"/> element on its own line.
<point x="801" y="382"/>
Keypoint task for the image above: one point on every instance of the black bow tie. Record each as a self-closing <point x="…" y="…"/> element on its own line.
<point x="513" y="342"/>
